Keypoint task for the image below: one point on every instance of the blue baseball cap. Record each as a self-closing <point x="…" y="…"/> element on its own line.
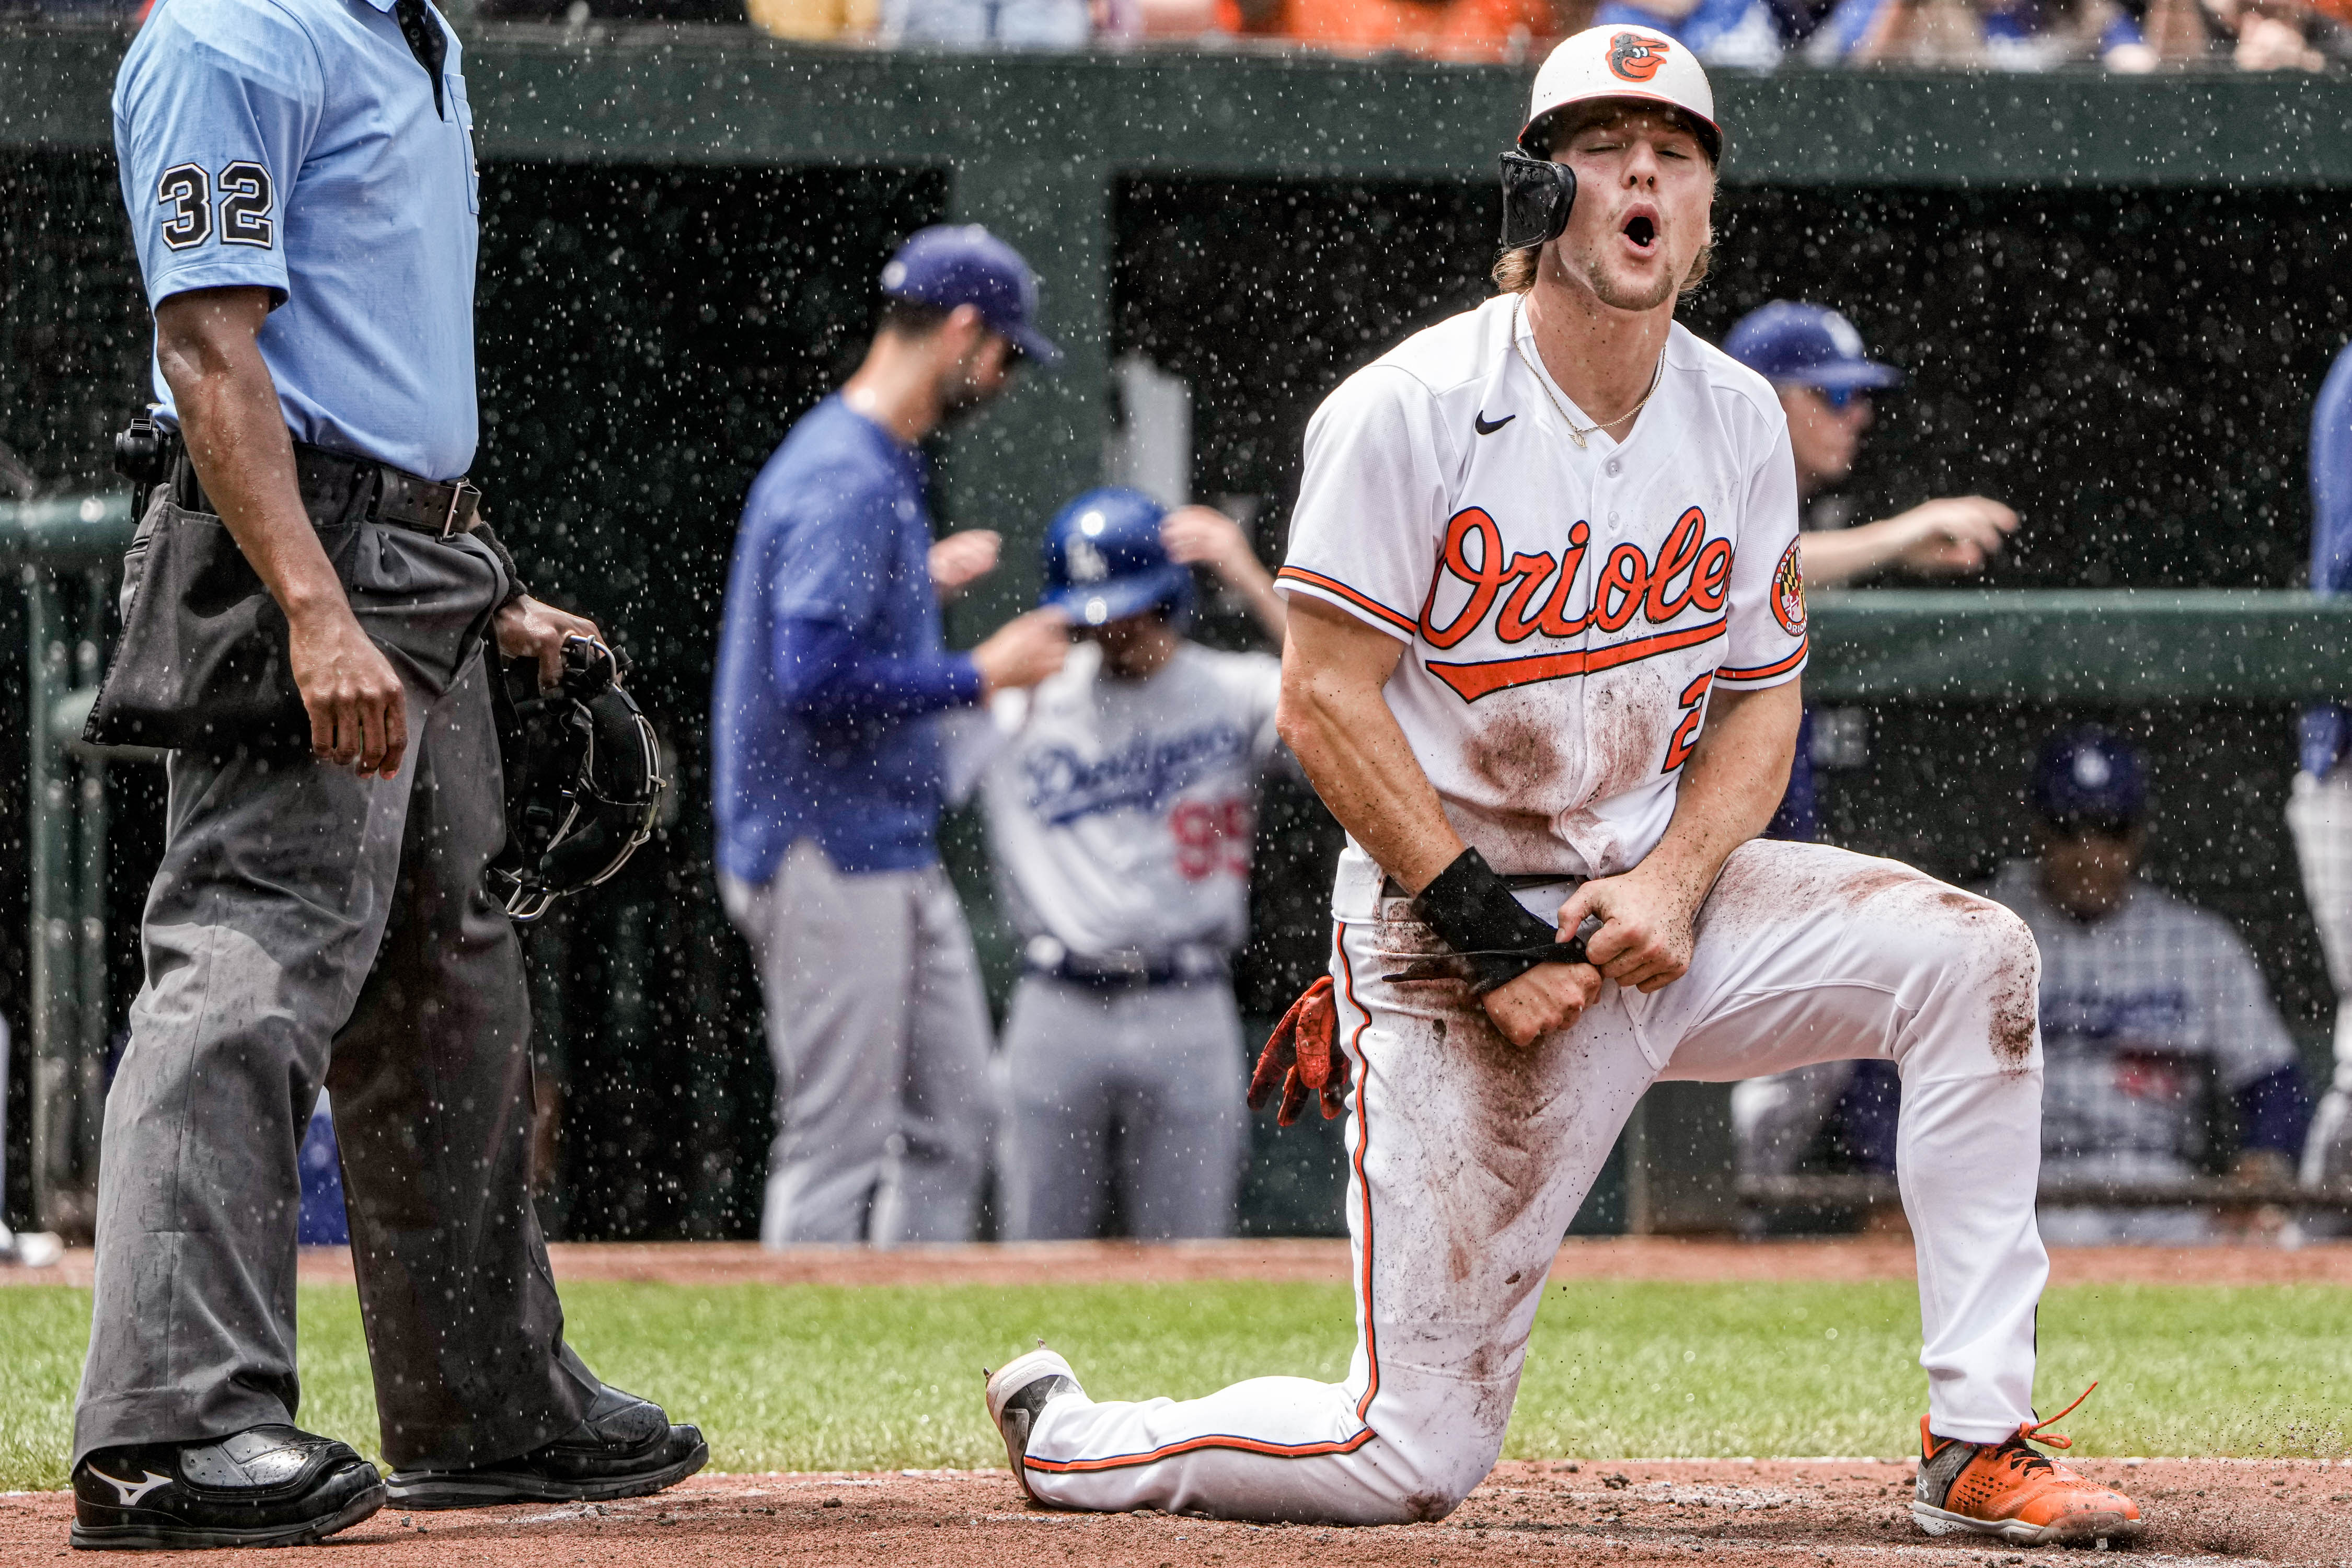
<point x="952" y="264"/>
<point x="2088" y="778"/>
<point x="1810" y="345"/>
<point x="1104" y="560"/>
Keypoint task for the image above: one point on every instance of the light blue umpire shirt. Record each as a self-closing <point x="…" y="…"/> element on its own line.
<point x="298" y="145"/>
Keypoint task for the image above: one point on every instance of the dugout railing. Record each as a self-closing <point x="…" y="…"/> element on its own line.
<point x="1049" y="151"/>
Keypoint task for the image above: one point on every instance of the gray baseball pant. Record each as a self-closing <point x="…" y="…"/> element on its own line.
<point x="309" y="925"/>
<point x="879" y="1032"/>
<point x="1165" y="1063"/>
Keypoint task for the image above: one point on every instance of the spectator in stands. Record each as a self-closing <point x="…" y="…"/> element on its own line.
<point x="1437" y="29"/>
<point x="2320" y="814"/>
<point x="2276" y="35"/>
<point x="2006" y="34"/>
<point x="1741" y="32"/>
<point x="816" y="21"/>
<point x="997" y="24"/>
<point x="2151" y="1007"/>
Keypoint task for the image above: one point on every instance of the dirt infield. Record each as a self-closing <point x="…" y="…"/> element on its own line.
<point x="1768" y="1513"/>
<point x="1115" y="1262"/>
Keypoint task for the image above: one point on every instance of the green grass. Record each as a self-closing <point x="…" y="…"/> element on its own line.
<point x="814" y="1378"/>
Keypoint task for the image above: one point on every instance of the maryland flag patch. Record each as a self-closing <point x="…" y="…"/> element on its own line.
<point x="1789" y="591"/>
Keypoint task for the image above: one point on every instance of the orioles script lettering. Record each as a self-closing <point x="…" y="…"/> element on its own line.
<point x="1527" y="596"/>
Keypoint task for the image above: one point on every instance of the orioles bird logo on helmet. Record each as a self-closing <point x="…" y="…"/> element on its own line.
<point x="1635" y="58"/>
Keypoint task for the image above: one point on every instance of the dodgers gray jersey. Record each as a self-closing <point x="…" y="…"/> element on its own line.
<point x="1121" y="811"/>
<point x="2133" y="1009"/>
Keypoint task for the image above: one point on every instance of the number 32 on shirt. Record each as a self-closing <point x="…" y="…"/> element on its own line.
<point x="246" y="198"/>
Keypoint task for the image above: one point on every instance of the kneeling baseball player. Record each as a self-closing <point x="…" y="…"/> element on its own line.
<point x="1547" y="623"/>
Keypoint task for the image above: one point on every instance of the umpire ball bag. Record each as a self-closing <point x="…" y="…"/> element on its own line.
<point x="584" y="779"/>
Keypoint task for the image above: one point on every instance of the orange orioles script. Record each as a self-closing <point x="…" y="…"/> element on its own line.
<point x="1527" y="596"/>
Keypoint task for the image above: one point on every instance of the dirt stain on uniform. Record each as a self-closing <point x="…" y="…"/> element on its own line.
<point x="2012" y="1022"/>
<point x="1627" y="731"/>
<point x="1517" y="756"/>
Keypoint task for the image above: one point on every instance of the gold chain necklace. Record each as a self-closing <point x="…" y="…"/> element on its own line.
<point x="1577" y="433"/>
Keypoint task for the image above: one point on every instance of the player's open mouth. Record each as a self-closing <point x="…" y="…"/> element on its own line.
<point x="1642" y="230"/>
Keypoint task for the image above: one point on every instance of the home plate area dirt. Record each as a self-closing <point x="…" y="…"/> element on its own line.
<point x="1768" y="1512"/>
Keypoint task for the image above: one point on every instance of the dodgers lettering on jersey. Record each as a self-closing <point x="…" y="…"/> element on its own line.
<point x="1120" y="812"/>
<point x="1567" y="611"/>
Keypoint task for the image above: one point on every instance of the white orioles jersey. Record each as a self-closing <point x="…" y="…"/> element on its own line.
<point x="1567" y="611"/>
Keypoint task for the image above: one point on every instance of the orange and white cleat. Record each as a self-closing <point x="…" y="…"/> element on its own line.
<point x="2008" y="1489"/>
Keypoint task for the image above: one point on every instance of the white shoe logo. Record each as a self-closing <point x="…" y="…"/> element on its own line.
<point x="132" y="1490"/>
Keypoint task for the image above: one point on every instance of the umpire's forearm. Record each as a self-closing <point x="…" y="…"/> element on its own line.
<point x="205" y="342"/>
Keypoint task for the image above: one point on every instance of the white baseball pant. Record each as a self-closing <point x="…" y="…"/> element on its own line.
<point x="1467" y="1158"/>
<point x="2319" y="814"/>
<point x="879" y="1031"/>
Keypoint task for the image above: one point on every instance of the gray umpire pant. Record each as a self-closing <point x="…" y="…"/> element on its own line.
<point x="879" y="1032"/>
<point x="1164" y="1064"/>
<point x="310" y="926"/>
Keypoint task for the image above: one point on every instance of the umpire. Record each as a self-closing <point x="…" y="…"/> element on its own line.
<point x="300" y="176"/>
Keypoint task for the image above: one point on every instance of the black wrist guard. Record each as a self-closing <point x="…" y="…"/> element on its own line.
<point x="1473" y="909"/>
<point x="516" y="586"/>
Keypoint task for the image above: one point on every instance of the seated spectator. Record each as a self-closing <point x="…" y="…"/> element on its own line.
<point x="1742" y="33"/>
<point x="2271" y="34"/>
<point x="1435" y="29"/>
<point x="1000" y="24"/>
<point x="816" y="21"/>
<point x="2150" y="1006"/>
<point x="2010" y="35"/>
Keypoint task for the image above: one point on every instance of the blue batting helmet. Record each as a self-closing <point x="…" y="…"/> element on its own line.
<point x="2087" y="777"/>
<point x="1104" y="560"/>
<point x="1812" y="346"/>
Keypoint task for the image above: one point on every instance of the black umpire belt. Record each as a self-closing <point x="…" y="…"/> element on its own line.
<point x="333" y="484"/>
<point x="1047" y="959"/>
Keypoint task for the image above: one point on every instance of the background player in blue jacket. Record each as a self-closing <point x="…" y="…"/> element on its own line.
<point x="826" y="764"/>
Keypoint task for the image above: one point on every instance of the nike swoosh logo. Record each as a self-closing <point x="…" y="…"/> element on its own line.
<point x="1484" y="428"/>
<point x="132" y="1490"/>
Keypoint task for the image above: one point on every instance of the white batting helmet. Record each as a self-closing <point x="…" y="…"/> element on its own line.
<point x="1638" y="63"/>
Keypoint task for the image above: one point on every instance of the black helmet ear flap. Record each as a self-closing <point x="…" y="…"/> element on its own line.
<point x="1536" y="196"/>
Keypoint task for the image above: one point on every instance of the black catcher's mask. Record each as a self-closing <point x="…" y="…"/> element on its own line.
<point x="583" y="778"/>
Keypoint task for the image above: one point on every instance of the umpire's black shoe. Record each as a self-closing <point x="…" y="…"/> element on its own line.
<point x="625" y="1447"/>
<point x="267" y="1486"/>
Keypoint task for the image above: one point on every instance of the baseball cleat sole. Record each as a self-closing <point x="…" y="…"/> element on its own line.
<point x="1013" y="1414"/>
<point x="163" y="1535"/>
<point x="2091" y="1528"/>
<point x="429" y="1492"/>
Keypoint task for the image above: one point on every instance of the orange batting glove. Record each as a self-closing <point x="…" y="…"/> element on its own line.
<point x="1303" y="1053"/>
